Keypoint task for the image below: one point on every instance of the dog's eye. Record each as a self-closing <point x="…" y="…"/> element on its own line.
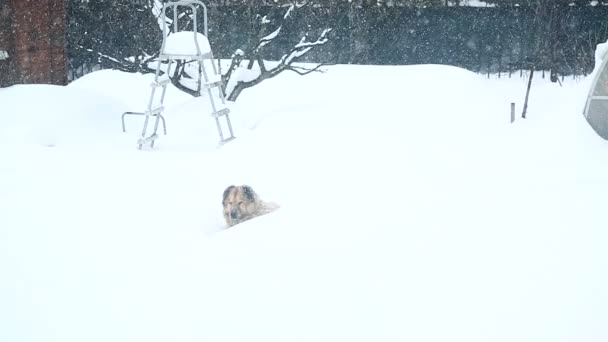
<point x="240" y="203"/>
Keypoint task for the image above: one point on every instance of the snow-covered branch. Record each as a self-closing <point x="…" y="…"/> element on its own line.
<point x="239" y="77"/>
<point x="157" y="10"/>
<point x="303" y="47"/>
<point x="266" y="40"/>
<point x="288" y="12"/>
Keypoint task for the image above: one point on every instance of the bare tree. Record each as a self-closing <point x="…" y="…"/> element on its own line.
<point x="239" y="78"/>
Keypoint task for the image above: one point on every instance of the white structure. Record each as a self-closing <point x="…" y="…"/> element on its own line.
<point x="187" y="46"/>
<point x="596" y="107"/>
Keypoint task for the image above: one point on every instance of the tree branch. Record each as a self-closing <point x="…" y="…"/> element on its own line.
<point x="138" y="65"/>
<point x="178" y="75"/>
<point x="305" y="71"/>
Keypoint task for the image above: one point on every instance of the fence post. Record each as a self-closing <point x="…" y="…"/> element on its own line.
<point x="512" y="112"/>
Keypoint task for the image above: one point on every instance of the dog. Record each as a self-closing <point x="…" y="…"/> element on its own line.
<point x="242" y="203"/>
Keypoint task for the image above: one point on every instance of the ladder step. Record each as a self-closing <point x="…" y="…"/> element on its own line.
<point x="143" y="141"/>
<point x="212" y="84"/>
<point x="168" y="56"/>
<point x="155" y="111"/>
<point x="161" y="82"/>
<point x="221" y="113"/>
<point x="227" y="140"/>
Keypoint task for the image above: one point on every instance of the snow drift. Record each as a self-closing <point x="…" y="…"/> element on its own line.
<point x="412" y="210"/>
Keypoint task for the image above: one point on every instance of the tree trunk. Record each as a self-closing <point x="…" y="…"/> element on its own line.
<point x="236" y="92"/>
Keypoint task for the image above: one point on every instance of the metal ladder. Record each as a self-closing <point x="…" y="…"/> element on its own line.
<point x="199" y="56"/>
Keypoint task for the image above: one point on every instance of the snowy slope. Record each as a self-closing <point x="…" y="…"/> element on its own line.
<point x="411" y="210"/>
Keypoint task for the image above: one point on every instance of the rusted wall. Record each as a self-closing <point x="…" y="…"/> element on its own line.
<point x="36" y="37"/>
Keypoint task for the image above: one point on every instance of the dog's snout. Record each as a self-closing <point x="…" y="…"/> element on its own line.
<point x="234" y="214"/>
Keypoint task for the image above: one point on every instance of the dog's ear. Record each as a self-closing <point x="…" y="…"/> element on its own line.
<point x="249" y="193"/>
<point x="227" y="192"/>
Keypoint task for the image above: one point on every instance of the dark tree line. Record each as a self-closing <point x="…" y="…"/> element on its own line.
<point x="502" y="3"/>
<point x="109" y="33"/>
<point x="414" y="3"/>
<point x="550" y="3"/>
<point x="551" y="35"/>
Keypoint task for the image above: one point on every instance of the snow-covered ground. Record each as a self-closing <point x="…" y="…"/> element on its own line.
<point x="411" y="210"/>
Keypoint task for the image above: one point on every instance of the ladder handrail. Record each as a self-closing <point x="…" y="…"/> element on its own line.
<point x="185" y="3"/>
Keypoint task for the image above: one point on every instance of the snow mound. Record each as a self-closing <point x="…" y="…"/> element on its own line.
<point x="88" y="112"/>
<point x="51" y="116"/>
<point x="133" y="89"/>
<point x="601" y="51"/>
<point x="184" y="43"/>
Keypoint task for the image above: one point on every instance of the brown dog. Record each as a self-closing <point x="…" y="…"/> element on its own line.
<point x="241" y="203"/>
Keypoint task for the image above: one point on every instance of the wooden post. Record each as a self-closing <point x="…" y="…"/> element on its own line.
<point x="523" y="114"/>
<point x="512" y="112"/>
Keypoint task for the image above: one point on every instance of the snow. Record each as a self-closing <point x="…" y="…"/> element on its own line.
<point x="476" y="3"/>
<point x="601" y="53"/>
<point x="184" y="43"/>
<point x="242" y="74"/>
<point x="288" y="12"/>
<point x="267" y="39"/>
<point x="305" y="46"/>
<point x="157" y="11"/>
<point x="320" y="41"/>
<point x="265" y="20"/>
<point x="411" y="209"/>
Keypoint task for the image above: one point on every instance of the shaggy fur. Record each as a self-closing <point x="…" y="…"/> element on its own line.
<point x="242" y="203"/>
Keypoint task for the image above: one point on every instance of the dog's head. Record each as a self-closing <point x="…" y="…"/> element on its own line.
<point x="240" y="204"/>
